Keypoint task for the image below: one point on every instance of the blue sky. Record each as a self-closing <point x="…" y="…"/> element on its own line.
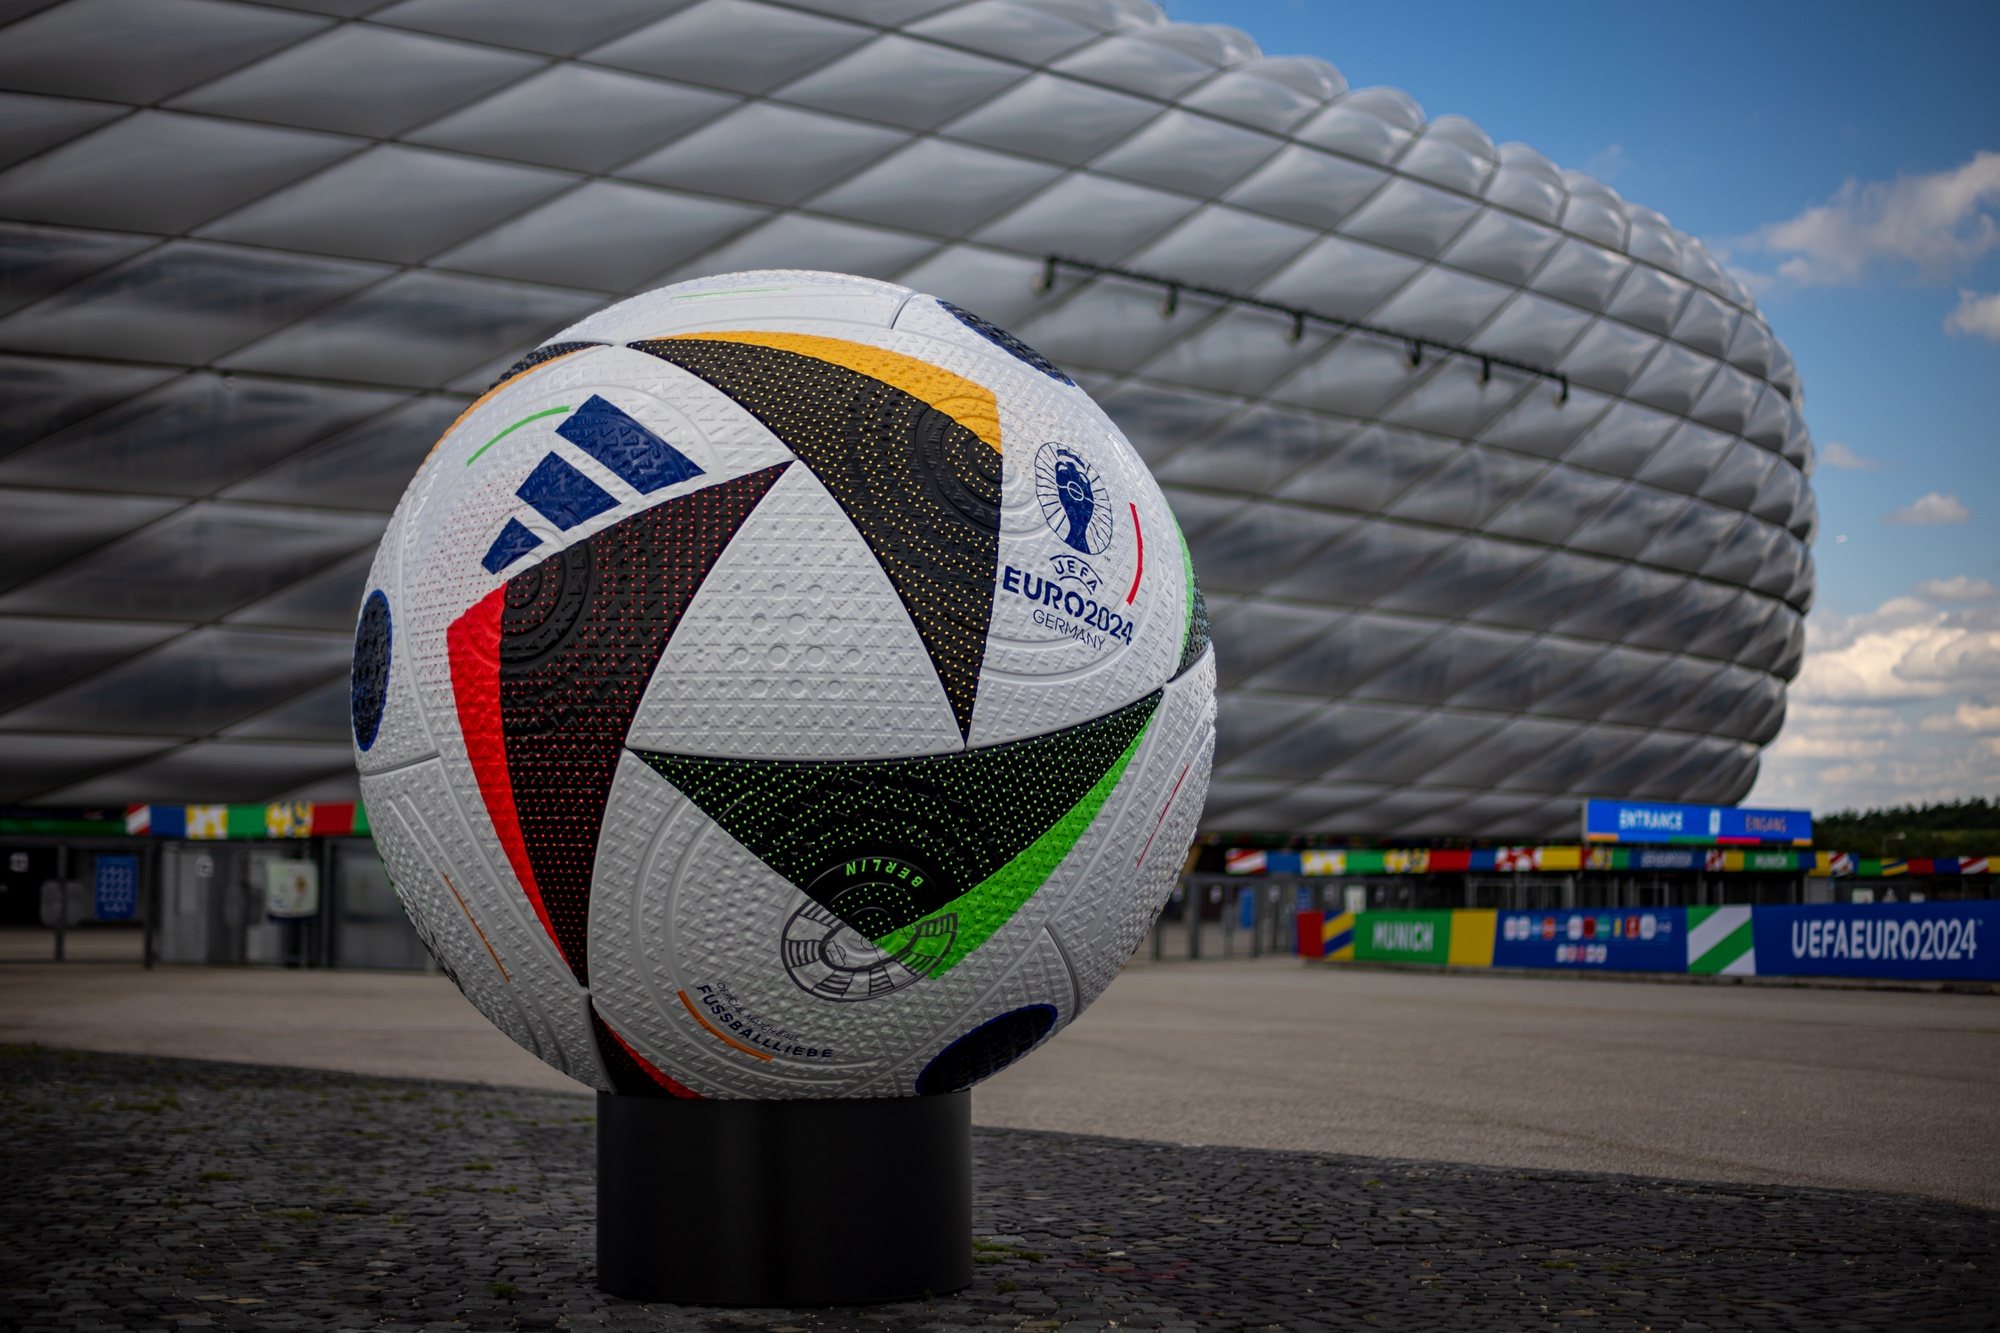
<point x="1845" y="162"/>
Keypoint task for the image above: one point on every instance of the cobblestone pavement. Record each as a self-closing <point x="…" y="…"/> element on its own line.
<point x="149" y="1193"/>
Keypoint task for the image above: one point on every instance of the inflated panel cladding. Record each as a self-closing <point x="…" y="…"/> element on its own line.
<point x="1380" y="187"/>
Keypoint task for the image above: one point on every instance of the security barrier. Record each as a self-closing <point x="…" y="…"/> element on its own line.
<point x="1947" y="941"/>
<point x="1312" y="863"/>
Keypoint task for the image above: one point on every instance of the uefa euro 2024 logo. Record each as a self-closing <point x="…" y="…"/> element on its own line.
<point x="1077" y="506"/>
<point x="1074" y="503"/>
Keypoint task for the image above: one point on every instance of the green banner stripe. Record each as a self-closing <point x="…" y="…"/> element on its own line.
<point x="992" y="903"/>
<point x="91" y="828"/>
<point x="1732" y="947"/>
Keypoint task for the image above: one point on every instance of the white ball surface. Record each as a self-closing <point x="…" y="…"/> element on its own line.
<point x="783" y="685"/>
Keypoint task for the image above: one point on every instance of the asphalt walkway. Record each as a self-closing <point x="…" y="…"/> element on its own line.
<point x="1879" y="1090"/>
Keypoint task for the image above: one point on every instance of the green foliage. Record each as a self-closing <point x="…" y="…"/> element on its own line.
<point x="986" y="1251"/>
<point x="1940" y="828"/>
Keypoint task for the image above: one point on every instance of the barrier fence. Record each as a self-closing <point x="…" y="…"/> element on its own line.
<point x="1336" y="862"/>
<point x="1942" y="941"/>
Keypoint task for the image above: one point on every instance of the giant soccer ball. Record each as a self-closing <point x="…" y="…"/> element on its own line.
<point x="783" y="685"/>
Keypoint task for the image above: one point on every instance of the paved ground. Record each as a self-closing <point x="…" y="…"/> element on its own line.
<point x="93" y="944"/>
<point x="1866" y="1089"/>
<point x="142" y="1193"/>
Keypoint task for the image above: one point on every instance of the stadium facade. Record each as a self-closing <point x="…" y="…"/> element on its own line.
<point x="260" y="256"/>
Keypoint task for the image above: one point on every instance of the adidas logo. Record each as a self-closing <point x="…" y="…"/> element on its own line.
<point x="565" y="496"/>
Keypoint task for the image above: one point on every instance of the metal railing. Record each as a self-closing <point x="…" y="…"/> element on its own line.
<point x="1415" y="346"/>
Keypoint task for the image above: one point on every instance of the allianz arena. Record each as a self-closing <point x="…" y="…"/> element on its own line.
<point x="1496" y="483"/>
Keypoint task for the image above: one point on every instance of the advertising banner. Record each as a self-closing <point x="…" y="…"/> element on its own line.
<point x="1282" y="863"/>
<point x="1950" y="941"/>
<point x="1336" y="938"/>
<point x="117" y="884"/>
<point x="291" y="889"/>
<point x="1657" y="821"/>
<point x="1307" y="940"/>
<point x="1720" y="941"/>
<point x="1403" y="937"/>
<point x="1323" y="863"/>
<point x="1616" y="939"/>
<point x="1658" y="858"/>
<point x="1473" y="930"/>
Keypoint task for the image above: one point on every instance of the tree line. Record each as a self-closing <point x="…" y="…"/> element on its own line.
<point x="1938" y="828"/>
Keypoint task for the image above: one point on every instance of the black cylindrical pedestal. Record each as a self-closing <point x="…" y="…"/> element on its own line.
<point x="783" y="1203"/>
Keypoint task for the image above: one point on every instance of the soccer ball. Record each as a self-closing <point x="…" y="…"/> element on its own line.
<point x="782" y="685"/>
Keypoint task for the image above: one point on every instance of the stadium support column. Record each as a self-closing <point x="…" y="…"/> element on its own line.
<point x="783" y="1203"/>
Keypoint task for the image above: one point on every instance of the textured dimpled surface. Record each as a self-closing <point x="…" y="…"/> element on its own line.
<point x="922" y="490"/>
<point x="804" y="649"/>
<point x="1006" y="341"/>
<point x="775" y="732"/>
<point x="964" y="815"/>
<point x="579" y="635"/>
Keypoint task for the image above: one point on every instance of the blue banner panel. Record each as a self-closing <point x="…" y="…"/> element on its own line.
<point x="1658" y="821"/>
<point x="1663" y="858"/>
<point x="1956" y="941"/>
<point x="117" y="887"/>
<point x="1616" y="939"/>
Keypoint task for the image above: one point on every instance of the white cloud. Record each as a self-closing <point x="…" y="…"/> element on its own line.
<point x="1893" y="706"/>
<point x="1866" y="670"/>
<point x="1978" y="718"/>
<point x="1957" y="588"/>
<point x="1977" y="316"/>
<point x="1606" y="162"/>
<point x="1835" y="454"/>
<point x="1930" y="510"/>
<point x="1905" y="649"/>
<point x="1937" y="222"/>
<point x="1755" y="283"/>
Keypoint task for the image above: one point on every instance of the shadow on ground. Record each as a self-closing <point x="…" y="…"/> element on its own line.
<point x="139" y="1192"/>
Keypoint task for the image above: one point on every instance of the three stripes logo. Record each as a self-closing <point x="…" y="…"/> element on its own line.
<point x="565" y="495"/>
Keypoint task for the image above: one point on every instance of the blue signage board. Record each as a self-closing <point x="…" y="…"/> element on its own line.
<point x="1951" y="941"/>
<point x="117" y="887"/>
<point x="1652" y="939"/>
<point x="1726" y="825"/>
<point x="1665" y="858"/>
